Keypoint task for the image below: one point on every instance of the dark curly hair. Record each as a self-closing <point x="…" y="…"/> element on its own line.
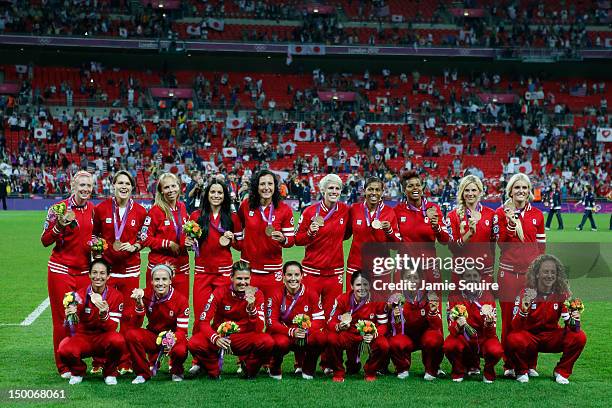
<point x="561" y="285"/>
<point x="254" y="198"/>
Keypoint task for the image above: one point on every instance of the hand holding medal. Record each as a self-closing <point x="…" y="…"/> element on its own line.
<point x="432" y="214"/>
<point x="488" y="313"/>
<point x="138" y="295"/>
<point x="226" y="238"/>
<point x="249" y="295"/>
<point x="528" y="297"/>
<point x="345" y="321"/>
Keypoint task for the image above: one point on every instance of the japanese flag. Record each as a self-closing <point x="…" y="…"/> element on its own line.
<point x="525" y="167"/>
<point x="229" y="152"/>
<point x="194" y="30"/>
<point x="530" y="142"/>
<point x="215" y="24"/>
<point x="604" y="135"/>
<point x="235" y="123"/>
<point x="307" y="49"/>
<point x="302" y="135"/>
<point x="40" y="133"/>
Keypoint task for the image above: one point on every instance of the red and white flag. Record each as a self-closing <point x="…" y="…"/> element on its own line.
<point x="235" y="123"/>
<point x="230" y="152"/>
<point x="307" y="49"/>
<point x="604" y="135"/>
<point x="452" y="148"/>
<point x="302" y="135"/>
<point x="194" y="30"/>
<point x="288" y="147"/>
<point x="530" y="142"/>
<point x="525" y="167"/>
<point x="215" y="24"/>
<point x="40" y="133"/>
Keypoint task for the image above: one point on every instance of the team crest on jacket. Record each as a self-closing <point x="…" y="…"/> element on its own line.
<point x="556" y="306"/>
<point x="166" y="222"/>
<point x="147" y="221"/>
<point x="228" y="307"/>
<point x="422" y="312"/>
<point x="306" y="308"/>
<point x="487" y="223"/>
<point x="121" y="307"/>
<point x="186" y="312"/>
<point x="251" y="213"/>
<point x="358" y="222"/>
<point x="341" y="221"/>
<point x="172" y="313"/>
<point x="133" y="223"/>
<point x="534" y="221"/>
<point x="402" y="219"/>
<point x="371" y="316"/>
<point x="87" y="310"/>
<point x="108" y="220"/>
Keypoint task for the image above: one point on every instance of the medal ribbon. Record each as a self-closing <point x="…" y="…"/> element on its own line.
<point x="155" y="300"/>
<point x="119" y="230"/>
<point x="219" y="228"/>
<point x="367" y="213"/>
<point x="285" y="312"/>
<point x="89" y="292"/>
<point x="355" y="307"/>
<point x="468" y="212"/>
<point x="268" y="220"/>
<point x="422" y="209"/>
<point x="329" y="214"/>
<point x="177" y="225"/>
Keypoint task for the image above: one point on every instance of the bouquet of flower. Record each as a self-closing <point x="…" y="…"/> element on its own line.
<point x="226" y="329"/>
<point x="461" y="311"/>
<point x="194" y="231"/>
<point x="98" y="246"/>
<point x="573" y="305"/>
<point x="71" y="299"/>
<point x="365" y="327"/>
<point x="303" y="322"/>
<point x="59" y="209"/>
<point x="165" y="341"/>
<point x="396" y="300"/>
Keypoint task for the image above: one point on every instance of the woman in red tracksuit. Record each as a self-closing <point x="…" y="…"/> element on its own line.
<point x="68" y="266"/>
<point x="463" y="349"/>
<point x="98" y="308"/>
<point x="371" y="221"/>
<point x="221" y="231"/>
<point x="119" y="220"/>
<point x="268" y="227"/>
<point x="322" y="229"/>
<point x="163" y="232"/>
<point x="522" y="238"/>
<point x="475" y="228"/>
<point x="349" y="308"/>
<point x="166" y="310"/>
<point x="420" y="224"/>
<point x="535" y="326"/>
<point x="417" y="325"/>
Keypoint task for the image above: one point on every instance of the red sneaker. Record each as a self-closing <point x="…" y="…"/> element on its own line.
<point x="338" y="379"/>
<point x="370" y="378"/>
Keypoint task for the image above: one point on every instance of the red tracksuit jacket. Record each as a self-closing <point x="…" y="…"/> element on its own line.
<point x="224" y="305"/>
<point x="215" y="258"/>
<point x="307" y="303"/>
<point x="417" y="318"/>
<point x="372" y="311"/>
<point x="104" y="227"/>
<point x="324" y="254"/>
<point x="169" y="313"/>
<point x="263" y="254"/>
<point x="71" y="249"/>
<point x="90" y="320"/>
<point x="415" y="227"/>
<point x="363" y="232"/>
<point x="543" y="315"/>
<point x="475" y="318"/>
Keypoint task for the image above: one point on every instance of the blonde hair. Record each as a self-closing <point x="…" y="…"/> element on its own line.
<point x="461" y="201"/>
<point x="330" y="179"/>
<point x="76" y="176"/>
<point x="510" y="204"/>
<point x="160" y="201"/>
<point x="169" y="269"/>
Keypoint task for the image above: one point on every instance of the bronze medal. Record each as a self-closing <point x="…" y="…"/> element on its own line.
<point x="476" y="216"/>
<point x="269" y="230"/>
<point x="376" y="224"/>
<point x="431" y="211"/>
<point x="319" y="220"/>
<point x="69" y="216"/>
<point x="225" y="241"/>
<point x="117" y="245"/>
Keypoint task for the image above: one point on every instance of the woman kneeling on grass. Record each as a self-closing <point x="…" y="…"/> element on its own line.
<point x="168" y="314"/>
<point x="535" y="326"/>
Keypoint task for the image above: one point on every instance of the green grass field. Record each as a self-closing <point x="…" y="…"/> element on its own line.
<point x="27" y="359"/>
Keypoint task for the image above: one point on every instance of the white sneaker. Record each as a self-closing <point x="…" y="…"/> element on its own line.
<point x="298" y="371"/>
<point x="441" y="373"/>
<point x="75" y="379"/>
<point x="561" y="379"/>
<point x="276" y="377"/>
<point x="66" y="375"/>
<point x="177" y="378"/>
<point x="533" y="373"/>
<point x="484" y="380"/>
<point x="307" y="377"/>
<point x="547" y="229"/>
<point x="239" y="370"/>
<point x="403" y="375"/>
<point x="194" y="370"/>
<point x="474" y="371"/>
<point x="328" y="371"/>
<point x="458" y="380"/>
<point x="110" y="380"/>
<point x="509" y="373"/>
<point x="139" y="380"/>
<point x="429" y="377"/>
<point x="523" y="378"/>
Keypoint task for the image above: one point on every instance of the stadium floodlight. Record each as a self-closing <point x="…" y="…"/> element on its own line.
<point x="161" y="5"/>
<point x="315" y="10"/>
<point x="171" y="94"/>
<point x="466" y="13"/>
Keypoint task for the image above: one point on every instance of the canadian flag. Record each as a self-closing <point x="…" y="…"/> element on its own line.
<point x="604" y="135"/>
<point x="302" y="135"/>
<point x="194" y="30"/>
<point x="234" y="123"/>
<point x="530" y="142"/>
<point x="40" y="133"/>
<point x="215" y="24"/>
<point x="230" y="152"/>
<point x="307" y="49"/>
<point x="525" y="167"/>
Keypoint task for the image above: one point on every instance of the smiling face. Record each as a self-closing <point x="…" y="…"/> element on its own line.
<point x="241" y="280"/>
<point x="123" y="188"/>
<point x="414" y="189"/>
<point x="98" y="276"/>
<point x="170" y="189"/>
<point x="471" y="194"/>
<point x="292" y="278"/>
<point x="216" y="195"/>
<point x="161" y="282"/>
<point x="520" y="193"/>
<point x="265" y="187"/>
<point x="412" y="279"/>
<point x="471" y="276"/>
<point x="361" y="288"/>
<point x="373" y="193"/>
<point x="332" y="193"/>
<point x="547" y="276"/>
<point x="82" y="187"/>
